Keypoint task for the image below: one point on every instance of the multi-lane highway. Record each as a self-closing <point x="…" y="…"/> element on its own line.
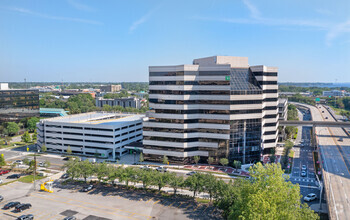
<point x="334" y="147"/>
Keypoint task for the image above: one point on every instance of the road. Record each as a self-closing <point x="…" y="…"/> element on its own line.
<point x="335" y="155"/>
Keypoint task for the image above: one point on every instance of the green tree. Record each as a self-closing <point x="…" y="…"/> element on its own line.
<point x="26" y="161"/>
<point x="237" y="164"/>
<point x="195" y="183"/>
<point x="101" y="170"/>
<point x="165" y="160"/>
<point x="161" y="179"/>
<point x="12" y="128"/>
<point x="126" y="175"/>
<point x="210" y="184"/>
<point x="196" y="159"/>
<point x="31" y="123"/>
<point x="69" y="150"/>
<point x="176" y="182"/>
<point x="86" y="169"/>
<point x="73" y="169"/>
<point x="224" y="161"/>
<point x="2" y="160"/>
<point x="7" y="140"/>
<point x="26" y="137"/>
<point x="146" y="177"/>
<point x="210" y="160"/>
<point x="267" y="195"/>
<point x="43" y="148"/>
<point x="47" y="163"/>
<point x="107" y="108"/>
<point x="141" y="157"/>
<point x="35" y="136"/>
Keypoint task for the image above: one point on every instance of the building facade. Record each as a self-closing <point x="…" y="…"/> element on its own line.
<point x="16" y="104"/>
<point x="334" y="93"/>
<point x="111" y="88"/>
<point x="282" y="116"/>
<point x="132" y="102"/>
<point x="217" y="107"/>
<point x="91" y="134"/>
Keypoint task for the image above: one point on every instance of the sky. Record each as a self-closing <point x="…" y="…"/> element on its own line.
<point x="116" y="41"/>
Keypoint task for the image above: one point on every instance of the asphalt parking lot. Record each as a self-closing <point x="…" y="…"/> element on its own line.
<point x="101" y="203"/>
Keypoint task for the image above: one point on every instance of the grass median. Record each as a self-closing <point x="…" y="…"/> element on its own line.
<point x="30" y="178"/>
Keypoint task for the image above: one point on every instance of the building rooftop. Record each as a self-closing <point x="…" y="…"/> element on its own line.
<point x="97" y="118"/>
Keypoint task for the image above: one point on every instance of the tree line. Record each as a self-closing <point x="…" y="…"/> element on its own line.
<point x="266" y="195"/>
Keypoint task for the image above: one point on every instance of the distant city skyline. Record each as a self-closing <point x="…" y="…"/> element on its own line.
<point x="75" y="40"/>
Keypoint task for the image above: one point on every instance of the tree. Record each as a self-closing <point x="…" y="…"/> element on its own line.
<point x="165" y="160"/>
<point x="2" y="160"/>
<point x="26" y="161"/>
<point x="146" y="177"/>
<point x="126" y="175"/>
<point x="47" y="163"/>
<point x="34" y="136"/>
<point x="195" y="183"/>
<point x="101" y="170"/>
<point x="161" y="179"/>
<point x="237" y="164"/>
<point x="26" y="137"/>
<point x="141" y="157"/>
<point x="196" y="159"/>
<point x="12" y="128"/>
<point x="73" y="169"/>
<point x="175" y="182"/>
<point x="86" y="169"/>
<point x="210" y="185"/>
<point x="7" y="140"/>
<point x="267" y="195"/>
<point x="107" y="108"/>
<point x="31" y="123"/>
<point x="69" y="150"/>
<point x="43" y="148"/>
<point x="210" y="160"/>
<point x="224" y="161"/>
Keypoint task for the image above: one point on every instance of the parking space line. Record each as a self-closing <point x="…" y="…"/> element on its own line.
<point x="156" y="202"/>
<point x="149" y="200"/>
<point x="196" y="207"/>
<point x="172" y="203"/>
<point x="205" y="209"/>
<point x="189" y="204"/>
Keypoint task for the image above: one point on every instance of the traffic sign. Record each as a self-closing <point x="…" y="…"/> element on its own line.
<point x="317" y="99"/>
<point x="227" y="78"/>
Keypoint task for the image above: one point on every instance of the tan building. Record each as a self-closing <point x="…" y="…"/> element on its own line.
<point x="111" y="88"/>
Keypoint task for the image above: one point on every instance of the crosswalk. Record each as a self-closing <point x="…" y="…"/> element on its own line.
<point x="303" y="180"/>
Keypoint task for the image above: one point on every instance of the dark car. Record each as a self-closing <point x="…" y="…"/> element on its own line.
<point x="14" y="176"/>
<point x="26" y="217"/>
<point x="10" y="205"/>
<point x="88" y="188"/>
<point x="65" y="176"/>
<point x="21" y="207"/>
<point x="1" y="198"/>
<point x="70" y="218"/>
<point x="191" y="173"/>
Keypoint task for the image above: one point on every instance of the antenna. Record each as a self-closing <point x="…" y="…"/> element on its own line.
<point x="25" y="82"/>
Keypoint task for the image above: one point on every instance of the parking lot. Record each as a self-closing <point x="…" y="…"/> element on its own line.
<point x="101" y="203"/>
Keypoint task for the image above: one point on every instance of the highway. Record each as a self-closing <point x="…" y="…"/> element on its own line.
<point x="335" y="154"/>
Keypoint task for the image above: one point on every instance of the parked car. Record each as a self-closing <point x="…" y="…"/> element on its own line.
<point x="13" y="176"/>
<point x="303" y="174"/>
<point x="88" y="188"/>
<point x="26" y="217"/>
<point x="310" y="197"/>
<point x="19" y="162"/>
<point x="340" y="139"/>
<point x="162" y="169"/>
<point x="70" y="218"/>
<point x="21" y="207"/>
<point x="1" y="198"/>
<point x="1" y="181"/>
<point x="322" y="111"/>
<point x="65" y="176"/>
<point x="326" y="117"/>
<point x="2" y="172"/>
<point x="11" y="205"/>
<point x="41" y="164"/>
<point x="303" y="167"/>
<point x="191" y="173"/>
<point x="145" y="167"/>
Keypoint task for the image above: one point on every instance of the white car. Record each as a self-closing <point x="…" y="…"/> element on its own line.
<point x="1" y="181"/>
<point x="19" y="162"/>
<point x="41" y="164"/>
<point x="310" y="197"/>
<point x="303" y="168"/>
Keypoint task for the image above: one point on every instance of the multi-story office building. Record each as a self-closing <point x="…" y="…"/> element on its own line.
<point x="218" y="107"/>
<point x="16" y="104"/>
<point x="334" y="93"/>
<point x="282" y="116"/>
<point x="104" y="134"/>
<point x="111" y="88"/>
<point x="124" y="102"/>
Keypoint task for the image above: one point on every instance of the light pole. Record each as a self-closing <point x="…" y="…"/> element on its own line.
<point x="34" y="168"/>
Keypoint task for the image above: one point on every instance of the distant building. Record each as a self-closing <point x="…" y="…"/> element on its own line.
<point x="111" y="88"/>
<point x="334" y="93"/>
<point x="218" y="107"/>
<point x="16" y="104"/>
<point x="141" y="94"/>
<point x="282" y="116"/>
<point x="289" y="94"/>
<point x="124" y="102"/>
<point x="91" y="134"/>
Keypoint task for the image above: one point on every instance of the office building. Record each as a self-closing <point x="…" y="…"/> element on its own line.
<point x="16" y="104"/>
<point x="111" y="88"/>
<point x="91" y="134"/>
<point x="217" y="107"/>
<point x="334" y="93"/>
<point x="282" y="116"/>
<point x="132" y="102"/>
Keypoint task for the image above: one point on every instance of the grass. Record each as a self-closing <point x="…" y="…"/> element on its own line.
<point x="30" y="178"/>
<point x="3" y="184"/>
<point x="200" y="200"/>
<point x="291" y="154"/>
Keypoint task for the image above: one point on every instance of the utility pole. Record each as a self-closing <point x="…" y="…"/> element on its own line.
<point x="321" y="186"/>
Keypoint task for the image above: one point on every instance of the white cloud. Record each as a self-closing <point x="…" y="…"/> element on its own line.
<point x="143" y="19"/>
<point x="337" y="30"/>
<point x="78" y="5"/>
<point x="254" y="12"/>
<point x="36" y="14"/>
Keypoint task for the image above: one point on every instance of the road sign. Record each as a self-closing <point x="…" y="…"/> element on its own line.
<point x="317" y="99"/>
<point x="27" y="149"/>
<point x="227" y="78"/>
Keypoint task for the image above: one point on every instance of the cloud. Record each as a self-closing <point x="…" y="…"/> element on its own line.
<point x="40" y="15"/>
<point x="80" y="6"/>
<point x="254" y="12"/>
<point x="337" y="30"/>
<point x="143" y="19"/>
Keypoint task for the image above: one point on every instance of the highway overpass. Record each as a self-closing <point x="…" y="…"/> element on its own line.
<point x="316" y="123"/>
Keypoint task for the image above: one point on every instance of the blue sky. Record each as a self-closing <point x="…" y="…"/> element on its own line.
<point x="113" y="41"/>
